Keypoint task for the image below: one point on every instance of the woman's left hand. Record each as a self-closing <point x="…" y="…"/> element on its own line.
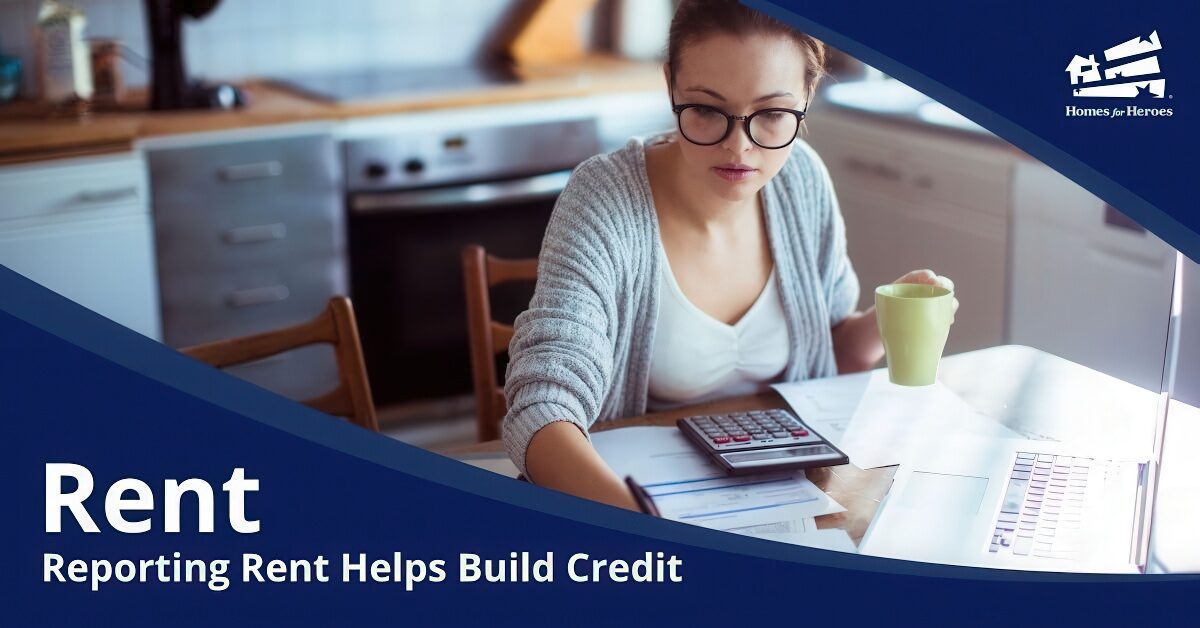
<point x="928" y="277"/>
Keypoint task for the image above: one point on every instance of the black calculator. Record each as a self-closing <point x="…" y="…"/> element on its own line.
<point x="760" y="440"/>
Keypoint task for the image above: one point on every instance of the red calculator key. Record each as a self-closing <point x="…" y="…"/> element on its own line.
<point x="799" y="432"/>
<point x="741" y="438"/>
<point x="720" y="440"/>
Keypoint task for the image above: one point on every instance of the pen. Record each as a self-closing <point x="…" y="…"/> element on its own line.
<point x="645" y="503"/>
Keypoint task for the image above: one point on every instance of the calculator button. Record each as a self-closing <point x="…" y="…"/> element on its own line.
<point x="741" y="438"/>
<point x="799" y="432"/>
<point x="779" y="434"/>
<point x="720" y="440"/>
<point x="760" y="436"/>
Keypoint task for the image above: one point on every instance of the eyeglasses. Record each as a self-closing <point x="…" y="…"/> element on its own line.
<point x="706" y="125"/>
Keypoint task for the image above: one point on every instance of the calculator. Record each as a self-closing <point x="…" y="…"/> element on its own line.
<point x="757" y="441"/>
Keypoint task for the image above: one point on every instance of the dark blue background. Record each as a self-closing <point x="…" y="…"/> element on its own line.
<point x="75" y="387"/>
<point x="1002" y="64"/>
<point x="78" y="388"/>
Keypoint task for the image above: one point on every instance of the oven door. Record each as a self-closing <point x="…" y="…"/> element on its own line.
<point x="406" y="275"/>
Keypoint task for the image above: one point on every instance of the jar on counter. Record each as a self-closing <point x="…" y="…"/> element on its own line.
<point x="10" y="78"/>
<point x="66" y="68"/>
<point x="109" y="85"/>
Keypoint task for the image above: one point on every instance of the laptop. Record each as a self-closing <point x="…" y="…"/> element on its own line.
<point x="1027" y="504"/>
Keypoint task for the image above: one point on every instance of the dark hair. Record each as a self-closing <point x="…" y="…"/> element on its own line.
<point x="696" y="19"/>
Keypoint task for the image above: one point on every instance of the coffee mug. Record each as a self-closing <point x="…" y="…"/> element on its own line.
<point x="914" y="321"/>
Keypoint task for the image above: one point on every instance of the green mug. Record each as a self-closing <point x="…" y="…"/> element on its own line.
<point x="914" y="321"/>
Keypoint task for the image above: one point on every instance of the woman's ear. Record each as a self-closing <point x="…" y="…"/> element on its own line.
<point x="667" y="77"/>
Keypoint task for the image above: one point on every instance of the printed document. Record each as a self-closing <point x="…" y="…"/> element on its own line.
<point x="878" y="423"/>
<point x="688" y="487"/>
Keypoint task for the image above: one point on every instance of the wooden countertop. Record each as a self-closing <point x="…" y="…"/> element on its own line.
<point x="29" y="132"/>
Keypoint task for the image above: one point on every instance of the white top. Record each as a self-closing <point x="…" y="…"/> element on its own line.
<point x="698" y="358"/>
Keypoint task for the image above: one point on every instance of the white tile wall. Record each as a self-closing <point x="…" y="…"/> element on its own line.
<point x="284" y="37"/>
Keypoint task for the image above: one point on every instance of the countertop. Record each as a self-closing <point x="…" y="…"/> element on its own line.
<point x="28" y="131"/>
<point x="891" y="102"/>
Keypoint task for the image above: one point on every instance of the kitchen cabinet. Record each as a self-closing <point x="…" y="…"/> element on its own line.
<point x="1088" y="284"/>
<point x="918" y="198"/>
<point x="82" y="228"/>
<point x="251" y="238"/>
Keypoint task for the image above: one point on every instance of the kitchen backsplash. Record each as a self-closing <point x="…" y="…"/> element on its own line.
<point x="285" y="37"/>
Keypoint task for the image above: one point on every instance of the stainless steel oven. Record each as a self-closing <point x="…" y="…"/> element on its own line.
<point x="414" y="201"/>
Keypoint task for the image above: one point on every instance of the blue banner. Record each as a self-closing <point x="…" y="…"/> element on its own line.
<point x="80" y="390"/>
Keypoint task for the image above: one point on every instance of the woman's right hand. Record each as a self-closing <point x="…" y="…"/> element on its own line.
<point x="562" y="458"/>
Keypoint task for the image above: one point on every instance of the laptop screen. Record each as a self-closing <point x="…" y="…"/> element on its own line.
<point x="1185" y="376"/>
<point x="1171" y="544"/>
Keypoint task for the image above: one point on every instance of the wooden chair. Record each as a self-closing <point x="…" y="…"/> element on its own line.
<point x="489" y="338"/>
<point x="352" y="397"/>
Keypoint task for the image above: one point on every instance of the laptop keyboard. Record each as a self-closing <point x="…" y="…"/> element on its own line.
<point x="1045" y="506"/>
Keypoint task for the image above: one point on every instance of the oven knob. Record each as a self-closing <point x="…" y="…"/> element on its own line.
<point x="375" y="170"/>
<point x="414" y="166"/>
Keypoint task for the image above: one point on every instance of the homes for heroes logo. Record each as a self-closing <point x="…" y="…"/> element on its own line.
<point x="1128" y="70"/>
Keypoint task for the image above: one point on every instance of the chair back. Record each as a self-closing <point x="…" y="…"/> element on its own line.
<point x="335" y="326"/>
<point x="488" y="337"/>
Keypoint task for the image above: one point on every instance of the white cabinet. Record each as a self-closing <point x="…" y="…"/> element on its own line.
<point x="917" y="198"/>
<point x="82" y="228"/>
<point x="1087" y="284"/>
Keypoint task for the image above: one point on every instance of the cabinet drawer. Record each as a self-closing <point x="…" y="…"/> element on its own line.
<point x="241" y="174"/>
<point x="273" y="232"/>
<point x="106" y="186"/>
<point x="201" y="307"/>
<point x="920" y="167"/>
<point x="104" y="264"/>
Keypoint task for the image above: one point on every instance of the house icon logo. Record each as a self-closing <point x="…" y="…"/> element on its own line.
<point x="1127" y="70"/>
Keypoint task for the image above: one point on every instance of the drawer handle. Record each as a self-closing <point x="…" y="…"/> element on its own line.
<point x="108" y="196"/>
<point x="255" y="234"/>
<point x="257" y="296"/>
<point x="877" y="169"/>
<point x="248" y="172"/>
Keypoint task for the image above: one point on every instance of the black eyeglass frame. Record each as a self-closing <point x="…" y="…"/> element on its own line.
<point x="745" y="120"/>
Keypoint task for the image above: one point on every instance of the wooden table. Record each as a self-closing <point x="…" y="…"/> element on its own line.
<point x="858" y="490"/>
<point x="1035" y="394"/>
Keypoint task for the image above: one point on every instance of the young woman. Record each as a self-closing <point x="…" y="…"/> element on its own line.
<point x="704" y="264"/>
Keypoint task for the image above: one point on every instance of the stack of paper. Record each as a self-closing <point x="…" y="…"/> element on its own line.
<point x="877" y="423"/>
<point x="688" y="487"/>
<point x="831" y="539"/>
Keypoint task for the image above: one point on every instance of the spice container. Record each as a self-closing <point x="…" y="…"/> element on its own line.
<point x="66" y="68"/>
<point x="106" y="72"/>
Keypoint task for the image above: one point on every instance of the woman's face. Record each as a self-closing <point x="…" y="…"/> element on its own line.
<point x="738" y="76"/>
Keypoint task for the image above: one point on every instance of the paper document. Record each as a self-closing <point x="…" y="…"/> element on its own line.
<point x="778" y="528"/>
<point x="827" y="404"/>
<point x="734" y="501"/>
<point x="834" y="539"/>
<point x="688" y="487"/>
<point x="877" y="423"/>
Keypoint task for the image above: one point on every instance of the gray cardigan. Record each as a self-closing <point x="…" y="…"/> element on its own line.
<point x="581" y="352"/>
